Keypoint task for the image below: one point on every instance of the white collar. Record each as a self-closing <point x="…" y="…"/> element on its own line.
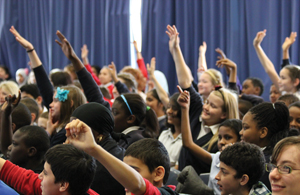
<point x="161" y="117"/>
<point x="129" y="129"/>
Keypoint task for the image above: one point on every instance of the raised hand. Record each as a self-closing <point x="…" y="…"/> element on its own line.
<point x="221" y="53"/>
<point x="135" y="46"/>
<point x="84" y="52"/>
<point x="225" y="62"/>
<point x="174" y="39"/>
<point x="289" y="41"/>
<point x="80" y="135"/>
<point x="11" y="102"/>
<point x="202" y="48"/>
<point x="151" y="68"/>
<point x="184" y="98"/>
<point x="259" y="37"/>
<point x="65" y="46"/>
<point x="26" y="44"/>
<point x="113" y="71"/>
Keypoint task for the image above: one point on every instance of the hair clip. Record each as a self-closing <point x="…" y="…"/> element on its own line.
<point x="148" y="108"/>
<point x="62" y="94"/>
<point x="217" y="87"/>
<point x="124" y="99"/>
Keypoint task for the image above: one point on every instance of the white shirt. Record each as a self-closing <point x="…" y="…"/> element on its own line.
<point x="214" y="129"/>
<point x="172" y="145"/>
<point x="129" y="129"/>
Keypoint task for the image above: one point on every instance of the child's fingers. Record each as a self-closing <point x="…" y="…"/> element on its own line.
<point x="179" y="89"/>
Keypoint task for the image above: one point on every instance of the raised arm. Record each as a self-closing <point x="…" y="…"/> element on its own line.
<point x="263" y="58"/>
<point x="183" y="72"/>
<point x="231" y="67"/>
<point x="121" y="87"/>
<point x="202" y="58"/>
<point x="6" y="131"/>
<point x="80" y="135"/>
<point x="140" y="60"/>
<point x="162" y="94"/>
<point x="187" y="140"/>
<point x="287" y="44"/>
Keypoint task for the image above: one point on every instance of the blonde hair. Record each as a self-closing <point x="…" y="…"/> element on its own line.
<point x="216" y="76"/>
<point x="230" y="107"/>
<point x="9" y="87"/>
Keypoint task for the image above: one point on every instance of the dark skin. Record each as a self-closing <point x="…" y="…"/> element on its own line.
<point x="7" y="128"/>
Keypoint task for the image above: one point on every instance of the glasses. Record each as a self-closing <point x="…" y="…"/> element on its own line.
<point x="283" y="169"/>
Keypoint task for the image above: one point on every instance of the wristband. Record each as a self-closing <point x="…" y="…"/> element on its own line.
<point x="28" y="51"/>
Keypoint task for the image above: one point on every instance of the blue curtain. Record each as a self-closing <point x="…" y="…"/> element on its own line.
<point x="102" y="25"/>
<point x="228" y="24"/>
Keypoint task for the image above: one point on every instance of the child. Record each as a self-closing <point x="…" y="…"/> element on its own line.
<point x="284" y="167"/>
<point x="240" y="174"/>
<point x="294" y="110"/>
<point x="67" y="170"/>
<point x="264" y="125"/>
<point x="147" y="163"/>
<point x="105" y="78"/>
<point x="228" y="133"/>
<point x="253" y="86"/>
<point x="274" y="94"/>
<point x="288" y="99"/>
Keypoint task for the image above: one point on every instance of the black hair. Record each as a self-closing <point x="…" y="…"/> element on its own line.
<point x="31" y="89"/>
<point x="145" y="116"/>
<point x="256" y="82"/>
<point x="71" y="165"/>
<point x="105" y="92"/>
<point x="289" y="98"/>
<point x="234" y="124"/>
<point x="33" y="106"/>
<point x="244" y="106"/>
<point x="36" y="137"/>
<point x="177" y="107"/>
<point x="6" y="70"/>
<point x="152" y="153"/>
<point x="296" y="104"/>
<point x="275" y="117"/>
<point x="245" y="158"/>
<point x="61" y="78"/>
<point x="21" y="116"/>
<point x="153" y="92"/>
<point x="97" y="68"/>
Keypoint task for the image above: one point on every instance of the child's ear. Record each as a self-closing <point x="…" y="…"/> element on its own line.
<point x="263" y="132"/>
<point x="244" y="180"/>
<point x="224" y="115"/>
<point x="64" y="186"/>
<point x="131" y="119"/>
<point x="32" y="151"/>
<point x="296" y="82"/>
<point x="257" y="90"/>
<point x="72" y="103"/>
<point x="13" y="127"/>
<point x="159" y="174"/>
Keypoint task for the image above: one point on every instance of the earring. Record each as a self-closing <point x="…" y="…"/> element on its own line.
<point x="99" y="138"/>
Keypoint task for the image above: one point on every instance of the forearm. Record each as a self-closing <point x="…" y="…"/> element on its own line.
<point x="77" y="64"/>
<point x="34" y="59"/>
<point x="85" y="61"/>
<point x="124" y="174"/>
<point x="285" y="54"/>
<point x="182" y="70"/>
<point x="142" y="67"/>
<point x="162" y="94"/>
<point x="232" y="75"/>
<point x="187" y="140"/>
<point x="202" y="61"/>
<point x="5" y="133"/>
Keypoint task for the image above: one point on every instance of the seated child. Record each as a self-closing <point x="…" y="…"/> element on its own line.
<point x="253" y="86"/>
<point x="240" y="174"/>
<point x="288" y="99"/>
<point x="146" y="163"/>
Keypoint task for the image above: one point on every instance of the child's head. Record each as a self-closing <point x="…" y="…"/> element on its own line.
<point x="286" y="158"/>
<point x="154" y="102"/>
<point x="253" y="86"/>
<point x="43" y="119"/>
<point x="241" y="166"/>
<point x="138" y="75"/>
<point x="265" y="124"/>
<point x="71" y="71"/>
<point x="288" y="99"/>
<point x="105" y="75"/>
<point x="294" y="110"/>
<point x="208" y="80"/>
<point x="21" y="76"/>
<point x="229" y="132"/>
<point x="131" y="110"/>
<point x="65" y="100"/>
<point x="128" y="80"/>
<point x="20" y="117"/>
<point x="151" y="159"/>
<point x="173" y="112"/>
<point x="289" y="79"/>
<point x="244" y="106"/>
<point x="274" y="94"/>
<point x="29" y="143"/>
<point x="33" y="106"/>
<point x="8" y="88"/>
<point x="67" y="169"/>
<point x="96" y="69"/>
<point x="60" y="78"/>
<point x="4" y="72"/>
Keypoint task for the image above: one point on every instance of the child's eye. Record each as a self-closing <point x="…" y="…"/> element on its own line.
<point x="227" y="137"/>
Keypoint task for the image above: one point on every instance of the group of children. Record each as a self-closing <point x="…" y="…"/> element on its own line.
<point x="139" y="138"/>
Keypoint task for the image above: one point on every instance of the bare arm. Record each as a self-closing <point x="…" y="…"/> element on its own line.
<point x="162" y="94"/>
<point x="202" y="65"/>
<point x="183" y="72"/>
<point x="80" y="135"/>
<point x="287" y="44"/>
<point x="231" y="67"/>
<point x="263" y="58"/>
<point x="84" y="54"/>
<point x="187" y="140"/>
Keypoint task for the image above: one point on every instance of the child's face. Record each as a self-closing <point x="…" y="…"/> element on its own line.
<point x="226" y="180"/>
<point x="226" y="136"/>
<point x="105" y="76"/>
<point x="55" y="108"/>
<point x="17" y="151"/>
<point x="172" y="113"/>
<point x="120" y="116"/>
<point x="205" y="86"/>
<point x="248" y="87"/>
<point x="274" y="94"/>
<point x="286" y="183"/>
<point x="250" y="133"/>
<point x="294" y="117"/>
<point x="140" y="167"/>
<point x="3" y="94"/>
<point x="153" y="103"/>
<point x="285" y="81"/>
<point x="48" y="184"/>
<point x="212" y="110"/>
